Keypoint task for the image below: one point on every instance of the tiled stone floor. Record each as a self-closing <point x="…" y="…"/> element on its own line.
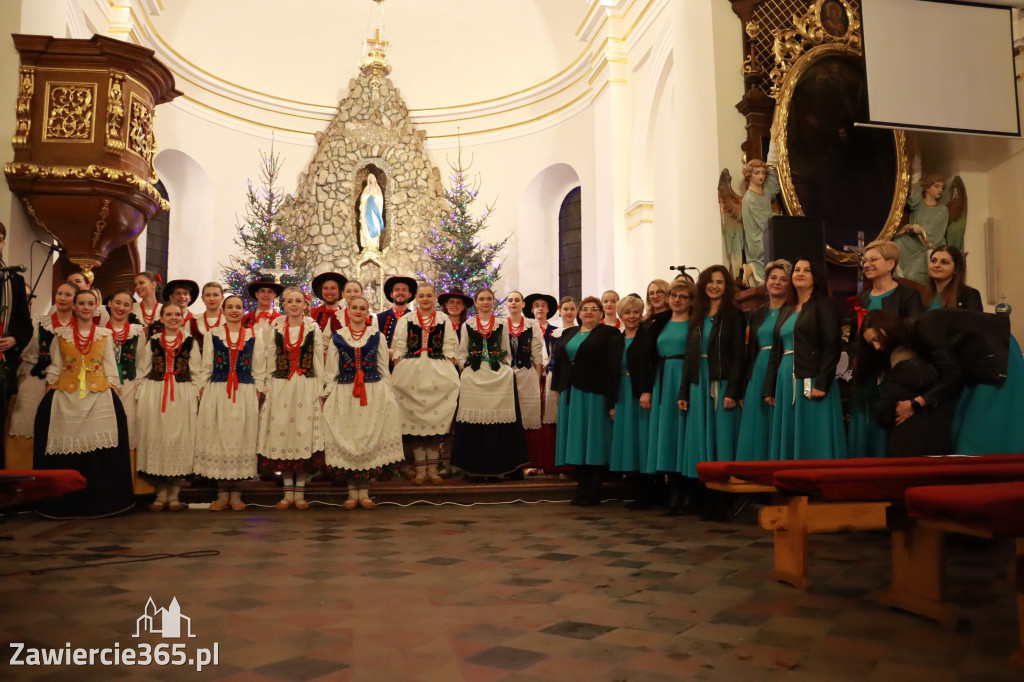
<point x="513" y="592"/>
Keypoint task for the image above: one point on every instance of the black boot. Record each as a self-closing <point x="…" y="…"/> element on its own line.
<point x="596" y="475"/>
<point x="644" y="493"/>
<point x="692" y="492"/>
<point x="582" y="480"/>
<point x="675" y="495"/>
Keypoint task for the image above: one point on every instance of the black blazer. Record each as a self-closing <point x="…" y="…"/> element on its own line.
<point x="596" y="368"/>
<point x="20" y="325"/>
<point x="969" y="298"/>
<point x="966" y="348"/>
<point x="725" y="354"/>
<point x="641" y="378"/>
<point x="928" y="431"/>
<point x="905" y="301"/>
<point x="651" y="328"/>
<point x="816" y="345"/>
<point x="756" y="320"/>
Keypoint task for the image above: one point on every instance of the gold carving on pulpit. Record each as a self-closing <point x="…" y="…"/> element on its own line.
<point x="140" y="133"/>
<point x="828" y="167"/>
<point x="115" y="114"/>
<point x="23" y="108"/>
<point x="101" y="223"/>
<point x="70" y="112"/>
<point x="32" y="171"/>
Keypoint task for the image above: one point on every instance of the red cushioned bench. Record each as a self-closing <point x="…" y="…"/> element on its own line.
<point x="985" y="510"/>
<point x="20" y="488"/>
<point x="799" y="515"/>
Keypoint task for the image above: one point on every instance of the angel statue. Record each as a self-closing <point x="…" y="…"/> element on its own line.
<point x="762" y="187"/>
<point x="371" y="214"/>
<point x="730" y="206"/>
<point x="937" y="213"/>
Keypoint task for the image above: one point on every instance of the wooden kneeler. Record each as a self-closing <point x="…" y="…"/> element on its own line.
<point x="802" y="516"/>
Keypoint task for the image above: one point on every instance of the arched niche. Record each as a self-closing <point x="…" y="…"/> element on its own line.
<point x="537" y="229"/>
<point x="191" y="252"/>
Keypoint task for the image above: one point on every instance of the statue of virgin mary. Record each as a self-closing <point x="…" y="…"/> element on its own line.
<point x="371" y="214"/>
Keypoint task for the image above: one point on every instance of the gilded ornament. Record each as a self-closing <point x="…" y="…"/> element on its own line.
<point x="101" y="223"/>
<point x="141" y="139"/>
<point x="31" y="171"/>
<point x="809" y="32"/>
<point x="375" y="64"/>
<point x="70" y="110"/>
<point x="23" y="108"/>
<point x="31" y="211"/>
<point x="115" y="114"/>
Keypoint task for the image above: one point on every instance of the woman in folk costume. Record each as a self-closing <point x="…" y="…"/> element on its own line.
<point x="526" y="344"/>
<point x="362" y="436"/>
<point x="229" y="393"/>
<point x="489" y="437"/>
<point x="290" y="437"/>
<point x="610" y="304"/>
<point x="327" y="286"/>
<point x="169" y="367"/>
<point x="147" y="308"/>
<point x="199" y="326"/>
<point x="586" y="376"/>
<point x="425" y="380"/>
<point x="541" y="444"/>
<point x="32" y="376"/>
<point x="265" y="290"/>
<point x="456" y="306"/>
<point x="81" y="425"/>
<point x="128" y="339"/>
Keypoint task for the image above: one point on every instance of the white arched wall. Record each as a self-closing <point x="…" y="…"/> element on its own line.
<point x="191" y="245"/>
<point x="537" y="231"/>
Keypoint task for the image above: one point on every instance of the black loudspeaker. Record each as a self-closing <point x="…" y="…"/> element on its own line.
<point x="793" y="237"/>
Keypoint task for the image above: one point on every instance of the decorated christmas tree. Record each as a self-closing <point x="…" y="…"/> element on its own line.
<point x="460" y="259"/>
<point x="262" y="237"/>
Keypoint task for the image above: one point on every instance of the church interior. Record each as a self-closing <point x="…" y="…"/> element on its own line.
<point x="597" y="135"/>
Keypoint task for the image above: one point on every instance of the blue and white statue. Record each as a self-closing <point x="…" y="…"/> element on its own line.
<point x="371" y="215"/>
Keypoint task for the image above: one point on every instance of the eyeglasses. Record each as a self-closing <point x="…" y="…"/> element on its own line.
<point x="589" y="309"/>
<point x="680" y="297"/>
<point x="656" y="292"/>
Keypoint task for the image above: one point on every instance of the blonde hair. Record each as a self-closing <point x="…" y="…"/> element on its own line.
<point x="627" y="303"/>
<point x="887" y="249"/>
<point x="684" y="285"/>
<point x="211" y="285"/>
<point x="779" y="264"/>
<point x="425" y="285"/>
<point x="661" y="285"/>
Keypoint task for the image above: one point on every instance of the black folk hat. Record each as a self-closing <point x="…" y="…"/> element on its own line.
<point x="174" y="284"/>
<point x="265" y="281"/>
<point x="319" y="280"/>
<point x="442" y="300"/>
<point x="390" y="282"/>
<point x="533" y="298"/>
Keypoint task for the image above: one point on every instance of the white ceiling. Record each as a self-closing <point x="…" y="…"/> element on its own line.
<point x="444" y="53"/>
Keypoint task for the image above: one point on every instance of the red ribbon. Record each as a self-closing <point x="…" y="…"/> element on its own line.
<point x="292" y="350"/>
<point x="359" y="385"/>
<point x="170" y="355"/>
<point x="234" y="348"/>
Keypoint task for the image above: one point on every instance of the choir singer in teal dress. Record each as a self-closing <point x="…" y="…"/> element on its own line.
<point x="808" y="419"/>
<point x="586" y="377"/>
<point x="712" y="378"/>
<point x="754" y="443"/>
<point x="631" y="414"/>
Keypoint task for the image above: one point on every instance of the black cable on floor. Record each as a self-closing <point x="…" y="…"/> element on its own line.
<point x="131" y="559"/>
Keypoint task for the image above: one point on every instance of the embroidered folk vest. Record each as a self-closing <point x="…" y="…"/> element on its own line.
<point x="182" y="374"/>
<point x="521" y="349"/>
<point x="476" y="348"/>
<point x="92" y="360"/>
<point x="347" y="360"/>
<point x="126" y="359"/>
<point x="282" y="367"/>
<point x="222" y="362"/>
<point x="45" y="341"/>
<point x="435" y="342"/>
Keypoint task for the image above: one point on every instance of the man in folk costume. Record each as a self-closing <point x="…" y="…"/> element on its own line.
<point x="327" y="286"/>
<point x="15" y="333"/>
<point x="182" y="292"/>
<point x="399" y="291"/>
<point x="266" y="291"/>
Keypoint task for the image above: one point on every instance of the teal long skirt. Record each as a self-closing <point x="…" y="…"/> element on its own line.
<point x="629" y="431"/>
<point x="755" y="438"/>
<point x="990" y="419"/>
<point x="711" y="429"/>
<point x="803" y="428"/>
<point x="584" y="433"/>
<point x="865" y="437"/>
<point x="668" y="423"/>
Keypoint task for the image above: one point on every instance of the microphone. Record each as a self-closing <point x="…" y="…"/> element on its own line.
<point x="11" y="269"/>
<point x="682" y="268"/>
